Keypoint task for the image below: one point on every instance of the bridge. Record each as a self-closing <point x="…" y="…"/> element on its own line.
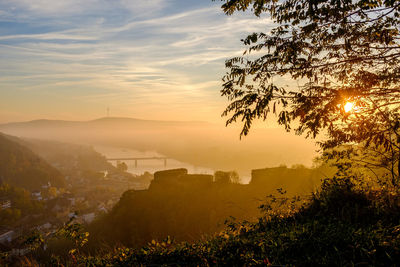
<point x="140" y="158"/>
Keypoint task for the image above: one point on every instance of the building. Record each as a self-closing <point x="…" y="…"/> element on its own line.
<point x="45" y="226"/>
<point x="20" y="251"/>
<point x="6" y="236"/>
<point x="5" y="204"/>
<point x="46" y="186"/>
<point x="37" y="195"/>
<point x="179" y="178"/>
<point x="88" y="217"/>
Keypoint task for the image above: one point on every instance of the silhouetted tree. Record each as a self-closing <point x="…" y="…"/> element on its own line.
<point x="122" y="166"/>
<point x="226" y="177"/>
<point x="343" y="57"/>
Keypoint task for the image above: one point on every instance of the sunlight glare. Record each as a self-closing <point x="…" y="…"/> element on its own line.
<point x="349" y="106"/>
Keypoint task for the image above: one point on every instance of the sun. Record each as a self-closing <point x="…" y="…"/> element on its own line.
<point x="349" y="106"/>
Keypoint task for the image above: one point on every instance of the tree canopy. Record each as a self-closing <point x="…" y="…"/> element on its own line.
<point x="344" y="58"/>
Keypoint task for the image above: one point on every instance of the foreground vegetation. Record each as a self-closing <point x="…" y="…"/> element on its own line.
<point x="341" y="225"/>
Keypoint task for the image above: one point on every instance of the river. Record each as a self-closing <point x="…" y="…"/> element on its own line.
<point x="152" y="165"/>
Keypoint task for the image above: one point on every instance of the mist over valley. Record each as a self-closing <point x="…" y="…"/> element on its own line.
<point x="200" y="144"/>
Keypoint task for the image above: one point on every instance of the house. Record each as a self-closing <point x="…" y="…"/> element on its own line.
<point x="102" y="208"/>
<point x="45" y="226"/>
<point x="88" y="217"/>
<point x="6" y="236"/>
<point x="20" y="251"/>
<point x="71" y="200"/>
<point x="37" y="195"/>
<point x="70" y="197"/>
<point x="5" y="204"/>
<point x="46" y="186"/>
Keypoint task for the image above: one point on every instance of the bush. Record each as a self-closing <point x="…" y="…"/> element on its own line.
<point x="339" y="225"/>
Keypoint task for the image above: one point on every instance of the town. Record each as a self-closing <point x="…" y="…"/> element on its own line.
<point x="90" y="186"/>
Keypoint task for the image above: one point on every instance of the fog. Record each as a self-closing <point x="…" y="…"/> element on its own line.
<point x="200" y="144"/>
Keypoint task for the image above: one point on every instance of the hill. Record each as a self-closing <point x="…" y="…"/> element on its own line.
<point x="32" y="128"/>
<point x="20" y="167"/>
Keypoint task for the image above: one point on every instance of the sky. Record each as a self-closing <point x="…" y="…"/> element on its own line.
<point x="153" y="59"/>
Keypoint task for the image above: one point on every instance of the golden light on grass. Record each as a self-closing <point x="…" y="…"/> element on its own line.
<point x="349" y="106"/>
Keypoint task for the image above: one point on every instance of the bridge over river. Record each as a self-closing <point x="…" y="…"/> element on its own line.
<point x="136" y="159"/>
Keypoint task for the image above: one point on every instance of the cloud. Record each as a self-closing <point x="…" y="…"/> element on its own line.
<point x="48" y="36"/>
<point x="99" y="53"/>
<point x="48" y="7"/>
<point x="149" y="6"/>
<point x="61" y="8"/>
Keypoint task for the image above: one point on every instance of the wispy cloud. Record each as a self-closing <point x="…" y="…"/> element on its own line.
<point x="120" y="51"/>
<point x="78" y="7"/>
<point x="47" y="36"/>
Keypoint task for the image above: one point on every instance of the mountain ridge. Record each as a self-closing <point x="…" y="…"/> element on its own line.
<point x="101" y="119"/>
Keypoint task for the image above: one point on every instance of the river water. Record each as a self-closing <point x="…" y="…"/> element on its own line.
<point x="152" y="165"/>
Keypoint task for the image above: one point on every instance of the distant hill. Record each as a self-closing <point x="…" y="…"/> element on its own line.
<point x="20" y="167"/>
<point x="103" y="122"/>
<point x="198" y="143"/>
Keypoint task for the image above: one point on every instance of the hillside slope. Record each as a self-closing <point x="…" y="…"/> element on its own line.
<point x="20" y="167"/>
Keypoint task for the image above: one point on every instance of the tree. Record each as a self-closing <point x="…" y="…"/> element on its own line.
<point x="344" y="56"/>
<point x="226" y="177"/>
<point x="52" y="192"/>
<point x="122" y="166"/>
